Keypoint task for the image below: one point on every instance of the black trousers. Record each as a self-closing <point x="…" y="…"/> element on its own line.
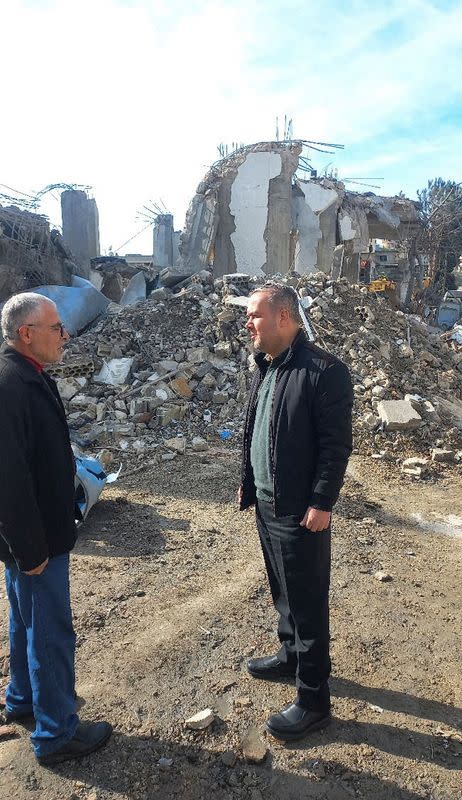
<point x="298" y="566"/>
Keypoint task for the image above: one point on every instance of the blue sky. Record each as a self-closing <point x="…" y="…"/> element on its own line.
<point x="132" y="97"/>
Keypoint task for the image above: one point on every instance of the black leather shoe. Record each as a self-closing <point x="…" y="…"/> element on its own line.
<point x="269" y="668"/>
<point x="88" y="737"/>
<point x="295" y="722"/>
<point x="7" y="717"/>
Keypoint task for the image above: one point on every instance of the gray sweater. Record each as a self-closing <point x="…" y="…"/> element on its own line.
<point x="260" y="448"/>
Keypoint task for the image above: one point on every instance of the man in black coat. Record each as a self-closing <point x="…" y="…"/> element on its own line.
<point x="37" y="532"/>
<point x="297" y="442"/>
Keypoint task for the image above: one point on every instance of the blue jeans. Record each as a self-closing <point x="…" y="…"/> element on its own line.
<point x="42" y="651"/>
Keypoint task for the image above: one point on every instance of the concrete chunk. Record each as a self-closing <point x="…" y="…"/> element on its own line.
<point x="442" y="455"/>
<point x="201" y="720"/>
<point x="415" y="466"/>
<point x="254" y="748"/>
<point x="398" y="415"/>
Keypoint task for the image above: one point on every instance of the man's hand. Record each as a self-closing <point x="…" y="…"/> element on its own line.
<point x="37" y="570"/>
<point x="315" y="520"/>
<point x="240" y="493"/>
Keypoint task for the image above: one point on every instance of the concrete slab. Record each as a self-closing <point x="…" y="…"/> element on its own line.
<point x="398" y="415"/>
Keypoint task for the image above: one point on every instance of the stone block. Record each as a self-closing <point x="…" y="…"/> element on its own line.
<point x="398" y="415"/>
<point x="196" y="355"/>
<point x="69" y="387"/>
<point x="220" y="398"/>
<point x="441" y="455"/>
<point x="181" y="386"/>
<point x="223" y="350"/>
<point x="199" y="444"/>
<point x="166" y="414"/>
<point x="177" y="443"/>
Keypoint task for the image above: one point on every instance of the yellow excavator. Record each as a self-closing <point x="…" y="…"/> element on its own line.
<point x="381" y="285"/>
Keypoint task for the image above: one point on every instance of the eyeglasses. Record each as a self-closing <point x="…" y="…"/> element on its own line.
<point x="58" y="327"/>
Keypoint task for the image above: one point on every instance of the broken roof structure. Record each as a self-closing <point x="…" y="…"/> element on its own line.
<point x="30" y="253"/>
<point x="252" y="213"/>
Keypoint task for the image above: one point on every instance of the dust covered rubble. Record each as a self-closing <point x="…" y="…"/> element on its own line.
<point x="187" y="361"/>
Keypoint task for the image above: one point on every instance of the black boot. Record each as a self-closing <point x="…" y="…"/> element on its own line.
<point x="88" y="737"/>
<point x="269" y="668"/>
<point x="294" y="722"/>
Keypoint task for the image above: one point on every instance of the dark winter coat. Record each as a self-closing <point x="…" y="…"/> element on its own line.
<point x="310" y="429"/>
<point x="37" y="519"/>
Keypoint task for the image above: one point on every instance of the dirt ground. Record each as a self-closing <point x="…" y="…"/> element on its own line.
<point x="170" y="599"/>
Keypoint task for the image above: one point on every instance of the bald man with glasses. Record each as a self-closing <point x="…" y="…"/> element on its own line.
<point x="37" y="533"/>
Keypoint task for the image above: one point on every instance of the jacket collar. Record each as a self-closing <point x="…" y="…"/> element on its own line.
<point x="299" y="342"/>
<point x="28" y="372"/>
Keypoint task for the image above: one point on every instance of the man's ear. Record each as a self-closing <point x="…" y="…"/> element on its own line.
<point x="283" y="317"/>
<point x="24" y="334"/>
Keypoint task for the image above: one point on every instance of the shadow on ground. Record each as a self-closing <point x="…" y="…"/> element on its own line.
<point x="121" y="527"/>
<point x="129" y="765"/>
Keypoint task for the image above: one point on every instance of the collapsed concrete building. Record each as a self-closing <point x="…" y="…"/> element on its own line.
<point x="30" y="254"/>
<point x="252" y="214"/>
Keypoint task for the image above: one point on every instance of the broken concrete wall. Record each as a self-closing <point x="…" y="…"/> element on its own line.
<point x="30" y="253"/>
<point x="224" y="261"/>
<point x="93" y="228"/>
<point x="249" y="207"/>
<point x="80" y="228"/>
<point x="197" y="239"/>
<point x="315" y="217"/>
<point x="251" y="190"/>
<point x="280" y="214"/>
<point x="261" y="220"/>
<point x="162" y="252"/>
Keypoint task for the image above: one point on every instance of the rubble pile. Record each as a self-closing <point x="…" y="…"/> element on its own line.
<point x="407" y="379"/>
<point x="170" y="374"/>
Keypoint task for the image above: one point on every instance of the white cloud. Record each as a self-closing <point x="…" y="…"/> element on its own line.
<point x="133" y="97"/>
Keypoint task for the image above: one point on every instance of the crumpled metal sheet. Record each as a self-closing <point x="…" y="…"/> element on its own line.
<point x="90" y="480"/>
<point x="78" y="305"/>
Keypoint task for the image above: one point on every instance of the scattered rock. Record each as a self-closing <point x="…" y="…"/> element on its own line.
<point x="382" y="576"/>
<point x="398" y="415"/>
<point x="441" y="455"/>
<point x="181" y="386"/>
<point x="417" y="467"/>
<point x="254" y="749"/>
<point x="201" y="720"/>
<point x="165" y="763"/>
<point x="243" y="702"/>
<point x="199" y="444"/>
<point x="7" y="731"/>
<point x="178" y="444"/>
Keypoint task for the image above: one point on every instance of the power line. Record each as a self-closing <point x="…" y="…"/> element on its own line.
<point x="134" y="237"/>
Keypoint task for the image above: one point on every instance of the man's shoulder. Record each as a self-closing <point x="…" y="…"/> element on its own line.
<point x="10" y="373"/>
<point x="310" y="354"/>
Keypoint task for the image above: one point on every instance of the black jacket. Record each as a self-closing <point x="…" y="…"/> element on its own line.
<point x="36" y="466"/>
<point x="310" y="429"/>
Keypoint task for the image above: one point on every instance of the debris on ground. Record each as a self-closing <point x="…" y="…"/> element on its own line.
<point x="254" y="749"/>
<point x="169" y="375"/>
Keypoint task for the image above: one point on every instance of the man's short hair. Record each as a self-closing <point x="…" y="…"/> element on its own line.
<point x="280" y="295"/>
<point x="18" y="310"/>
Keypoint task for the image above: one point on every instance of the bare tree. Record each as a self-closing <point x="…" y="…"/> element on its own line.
<point x="441" y="238"/>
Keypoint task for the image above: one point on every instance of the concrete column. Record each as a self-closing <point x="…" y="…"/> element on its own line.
<point x="162" y="253"/>
<point x="80" y="228"/>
